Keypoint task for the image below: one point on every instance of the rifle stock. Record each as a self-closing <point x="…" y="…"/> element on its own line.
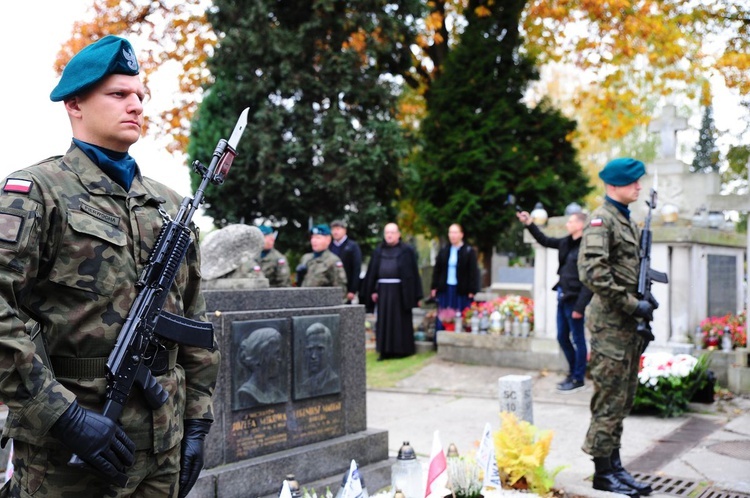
<point x="139" y="341"/>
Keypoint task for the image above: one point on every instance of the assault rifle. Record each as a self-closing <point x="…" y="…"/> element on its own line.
<point x="139" y="345"/>
<point x="647" y="275"/>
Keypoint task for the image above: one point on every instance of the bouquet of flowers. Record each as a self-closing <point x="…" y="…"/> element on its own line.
<point x="518" y="306"/>
<point x="713" y="329"/>
<point x="667" y="383"/>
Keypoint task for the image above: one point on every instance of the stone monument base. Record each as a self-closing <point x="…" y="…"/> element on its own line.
<point x="532" y="353"/>
<point x="263" y="476"/>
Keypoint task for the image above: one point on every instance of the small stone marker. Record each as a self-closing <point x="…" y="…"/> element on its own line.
<point x="515" y="396"/>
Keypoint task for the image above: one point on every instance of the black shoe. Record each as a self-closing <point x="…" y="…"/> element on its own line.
<point x="625" y="477"/>
<point x="606" y="480"/>
<point x="570" y="386"/>
<point x="568" y="378"/>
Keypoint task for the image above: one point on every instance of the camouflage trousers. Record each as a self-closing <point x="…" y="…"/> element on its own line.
<point x="45" y="472"/>
<point x="615" y="382"/>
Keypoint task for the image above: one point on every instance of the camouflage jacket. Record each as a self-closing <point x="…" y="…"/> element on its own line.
<point x="72" y="244"/>
<point x="608" y="264"/>
<point x="276" y="268"/>
<point x="326" y="270"/>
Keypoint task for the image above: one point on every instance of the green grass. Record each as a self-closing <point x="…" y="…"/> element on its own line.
<point x="388" y="373"/>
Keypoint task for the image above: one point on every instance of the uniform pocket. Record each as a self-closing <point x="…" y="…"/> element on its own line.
<point x="91" y="255"/>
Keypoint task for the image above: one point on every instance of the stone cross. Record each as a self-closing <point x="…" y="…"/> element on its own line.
<point x="667" y="125"/>
<point x="515" y="396"/>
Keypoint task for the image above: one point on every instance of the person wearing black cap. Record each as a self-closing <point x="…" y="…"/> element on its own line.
<point x="76" y="231"/>
<point x="609" y="264"/>
<point x="272" y="262"/>
<point x="350" y="254"/>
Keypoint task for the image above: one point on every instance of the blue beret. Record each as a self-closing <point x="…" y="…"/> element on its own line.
<point x="266" y="230"/>
<point x="323" y="229"/>
<point x="110" y="55"/>
<point x="622" y="171"/>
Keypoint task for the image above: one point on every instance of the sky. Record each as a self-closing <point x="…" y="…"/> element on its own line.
<point x="36" y="128"/>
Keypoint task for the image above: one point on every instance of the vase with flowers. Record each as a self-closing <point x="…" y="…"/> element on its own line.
<point x="447" y="317"/>
<point x="729" y="329"/>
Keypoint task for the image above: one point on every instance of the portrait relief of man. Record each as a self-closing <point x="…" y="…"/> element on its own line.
<point x="316" y="357"/>
<point x="260" y="374"/>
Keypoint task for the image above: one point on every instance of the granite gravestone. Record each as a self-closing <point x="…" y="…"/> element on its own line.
<point x="310" y="418"/>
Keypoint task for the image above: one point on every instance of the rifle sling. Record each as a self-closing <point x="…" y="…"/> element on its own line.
<point x="94" y="368"/>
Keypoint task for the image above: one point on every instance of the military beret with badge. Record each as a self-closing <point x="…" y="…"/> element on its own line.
<point x="322" y="229"/>
<point x="109" y="55"/>
<point x="622" y="171"/>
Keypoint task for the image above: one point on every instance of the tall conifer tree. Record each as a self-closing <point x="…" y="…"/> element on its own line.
<point x="322" y="141"/>
<point x="706" y="157"/>
<point x="481" y="142"/>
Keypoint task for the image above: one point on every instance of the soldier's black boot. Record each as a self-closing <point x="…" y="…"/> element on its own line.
<point x="606" y="480"/>
<point x="623" y="475"/>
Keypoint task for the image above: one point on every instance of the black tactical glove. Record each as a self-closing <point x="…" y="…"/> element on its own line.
<point x="97" y="440"/>
<point x="653" y="301"/>
<point x="192" y="453"/>
<point x="644" y="310"/>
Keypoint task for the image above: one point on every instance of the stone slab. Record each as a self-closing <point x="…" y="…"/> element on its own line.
<point x="533" y="353"/>
<point x="323" y="463"/>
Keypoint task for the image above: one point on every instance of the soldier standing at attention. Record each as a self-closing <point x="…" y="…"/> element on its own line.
<point x="321" y="268"/>
<point x="273" y="264"/>
<point x="609" y="263"/>
<point x="76" y="232"/>
<point x="351" y="257"/>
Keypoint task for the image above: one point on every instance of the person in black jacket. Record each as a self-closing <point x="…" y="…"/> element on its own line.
<point x="572" y="297"/>
<point x="351" y="256"/>
<point x="455" y="277"/>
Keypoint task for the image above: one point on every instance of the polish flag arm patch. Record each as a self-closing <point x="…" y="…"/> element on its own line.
<point x="18" y="186"/>
<point x="597" y="222"/>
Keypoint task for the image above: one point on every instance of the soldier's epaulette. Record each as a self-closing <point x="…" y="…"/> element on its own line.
<point x="18" y="185"/>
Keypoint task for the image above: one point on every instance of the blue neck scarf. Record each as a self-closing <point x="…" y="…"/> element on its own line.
<point x="623" y="208"/>
<point x="119" y="166"/>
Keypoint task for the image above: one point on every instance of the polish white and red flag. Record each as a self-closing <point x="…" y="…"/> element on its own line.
<point x="437" y="472"/>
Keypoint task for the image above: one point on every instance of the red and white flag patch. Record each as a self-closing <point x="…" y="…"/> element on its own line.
<point x="597" y="222"/>
<point x="17" y="185"/>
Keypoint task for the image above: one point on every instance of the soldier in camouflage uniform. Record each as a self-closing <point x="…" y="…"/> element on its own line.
<point x="75" y="233"/>
<point x="608" y="263"/>
<point x="273" y="264"/>
<point x="321" y="268"/>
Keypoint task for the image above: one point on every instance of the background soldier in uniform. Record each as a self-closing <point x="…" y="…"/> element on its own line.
<point x="273" y="264"/>
<point x="321" y="268"/>
<point x="608" y="263"/>
<point x="76" y="231"/>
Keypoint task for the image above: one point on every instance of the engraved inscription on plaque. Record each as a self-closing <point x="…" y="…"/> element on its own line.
<point x="260" y="356"/>
<point x="316" y="356"/>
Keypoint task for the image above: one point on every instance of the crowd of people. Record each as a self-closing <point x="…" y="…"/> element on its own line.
<point x="77" y="229"/>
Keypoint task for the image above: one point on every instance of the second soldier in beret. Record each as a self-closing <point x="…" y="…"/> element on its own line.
<point x="272" y="262"/>
<point x="321" y="268"/>
<point x="75" y="232"/>
<point x="609" y="265"/>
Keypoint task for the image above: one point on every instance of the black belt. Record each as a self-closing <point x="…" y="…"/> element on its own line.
<point x="93" y="368"/>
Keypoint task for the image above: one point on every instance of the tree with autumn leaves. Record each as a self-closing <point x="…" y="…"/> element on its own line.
<point x="632" y="51"/>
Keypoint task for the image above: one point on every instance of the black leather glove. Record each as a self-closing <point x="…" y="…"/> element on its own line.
<point x="192" y="453"/>
<point x="653" y="301"/>
<point x="97" y="440"/>
<point x="644" y="310"/>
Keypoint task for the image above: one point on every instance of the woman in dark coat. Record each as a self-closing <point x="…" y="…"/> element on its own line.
<point x="391" y="288"/>
<point x="455" y="277"/>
